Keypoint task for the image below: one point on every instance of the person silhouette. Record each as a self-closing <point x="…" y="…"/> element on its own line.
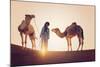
<point x="45" y="36"/>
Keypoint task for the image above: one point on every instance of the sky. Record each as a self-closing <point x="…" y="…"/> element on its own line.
<point x="60" y="16"/>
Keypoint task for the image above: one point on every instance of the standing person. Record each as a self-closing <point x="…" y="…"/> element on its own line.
<point x="45" y="36"/>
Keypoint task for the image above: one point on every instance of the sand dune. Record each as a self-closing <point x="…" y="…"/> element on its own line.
<point x="22" y="57"/>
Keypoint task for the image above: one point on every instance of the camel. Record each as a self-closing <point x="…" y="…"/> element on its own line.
<point x="70" y="32"/>
<point x="25" y="28"/>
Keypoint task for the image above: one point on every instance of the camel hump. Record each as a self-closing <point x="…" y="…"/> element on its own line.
<point x="71" y="28"/>
<point x="74" y="29"/>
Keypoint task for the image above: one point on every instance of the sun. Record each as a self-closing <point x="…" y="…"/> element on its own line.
<point x="43" y="51"/>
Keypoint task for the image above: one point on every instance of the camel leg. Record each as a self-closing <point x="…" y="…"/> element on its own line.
<point x="32" y="38"/>
<point x="79" y="43"/>
<point x="33" y="43"/>
<point x="69" y="43"/>
<point x="21" y="34"/>
<point x="25" y="40"/>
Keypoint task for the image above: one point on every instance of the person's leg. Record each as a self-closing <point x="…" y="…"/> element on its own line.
<point x="46" y="45"/>
<point x="41" y="43"/>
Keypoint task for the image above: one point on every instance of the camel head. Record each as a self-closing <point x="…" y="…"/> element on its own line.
<point x="30" y="16"/>
<point x="55" y="30"/>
